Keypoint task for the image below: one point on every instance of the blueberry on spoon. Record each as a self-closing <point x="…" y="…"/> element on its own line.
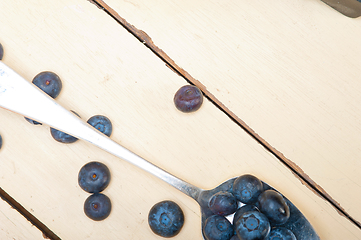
<point x="218" y="227"/>
<point x="280" y="233"/>
<point x="247" y="188"/>
<point x="272" y="204"/>
<point x="223" y="203"/>
<point x="234" y="237"/>
<point x="166" y="219"/>
<point x="243" y="209"/>
<point x="252" y="225"/>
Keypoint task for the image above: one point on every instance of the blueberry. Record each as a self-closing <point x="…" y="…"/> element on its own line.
<point x="252" y="225"/>
<point x="94" y="177"/>
<point x="49" y="82"/>
<point x="188" y="99"/>
<point x="97" y="206"/>
<point x="1" y="141"/>
<point x="217" y="227"/>
<point x="234" y="237"/>
<point x="280" y="233"/>
<point x="62" y="136"/>
<point x="1" y="51"/>
<point x="101" y="123"/>
<point x="273" y="205"/>
<point x="243" y="209"/>
<point x="32" y="121"/>
<point x="247" y="188"/>
<point x="166" y="219"/>
<point x="223" y="203"/>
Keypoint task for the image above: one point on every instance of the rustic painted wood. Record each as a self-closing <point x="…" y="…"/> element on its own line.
<point x="105" y="70"/>
<point x="288" y="69"/>
<point x="15" y="226"/>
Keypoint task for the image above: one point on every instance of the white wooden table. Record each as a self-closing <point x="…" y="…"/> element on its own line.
<point x="286" y="71"/>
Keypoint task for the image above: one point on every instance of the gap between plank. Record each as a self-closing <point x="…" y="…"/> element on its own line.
<point x="296" y="170"/>
<point x="47" y="233"/>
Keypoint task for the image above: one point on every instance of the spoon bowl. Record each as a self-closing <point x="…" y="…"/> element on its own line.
<point x="21" y="96"/>
<point x="297" y="222"/>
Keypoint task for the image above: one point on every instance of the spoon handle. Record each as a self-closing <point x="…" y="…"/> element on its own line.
<point x="21" y="96"/>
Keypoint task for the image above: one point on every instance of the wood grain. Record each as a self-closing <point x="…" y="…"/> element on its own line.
<point x="288" y="70"/>
<point x="105" y="70"/>
<point x="15" y="226"/>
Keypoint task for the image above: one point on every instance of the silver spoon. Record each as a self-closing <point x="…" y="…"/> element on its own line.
<point x="21" y="96"/>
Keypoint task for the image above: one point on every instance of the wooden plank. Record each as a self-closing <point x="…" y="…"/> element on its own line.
<point x="18" y="217"/>
<point x="15" y="226"/>
<point x="289" y="70"/>
<point x="105" y="70"/>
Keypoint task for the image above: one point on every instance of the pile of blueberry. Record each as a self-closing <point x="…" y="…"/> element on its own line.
<point x="262" y="215"/>
<point x="93" y="178"/>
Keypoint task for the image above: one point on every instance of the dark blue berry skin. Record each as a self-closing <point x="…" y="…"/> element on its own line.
<point x="247" y="188"/>
<point x="223" y="203"/>
<point x="297" y="222"/>
<point x="252" y="225"/>
<point x="94" y="177"/>
<point x="97" y="206"/>
<point x="234" y="237"/>
<point x="272" y="204"/>
<point x="166" y="219"/>
<point x="243" y="209"/>
<point x="280" y="233"/>
<point x="102" y="123"/>
<point x="188" y="99"/>
<point x="1" y="51"/>
<point x="1" y="141"/>
<point x="62" y="136"/>
<point x="32" y="121"/>
<point x="49" y="82"/>
<point x="217" y="227"/>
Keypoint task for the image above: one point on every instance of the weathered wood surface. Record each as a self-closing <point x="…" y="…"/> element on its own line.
<point x="15" y="226"/>
<point x="105" y="70"/>
<point x="288" y="69"/>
